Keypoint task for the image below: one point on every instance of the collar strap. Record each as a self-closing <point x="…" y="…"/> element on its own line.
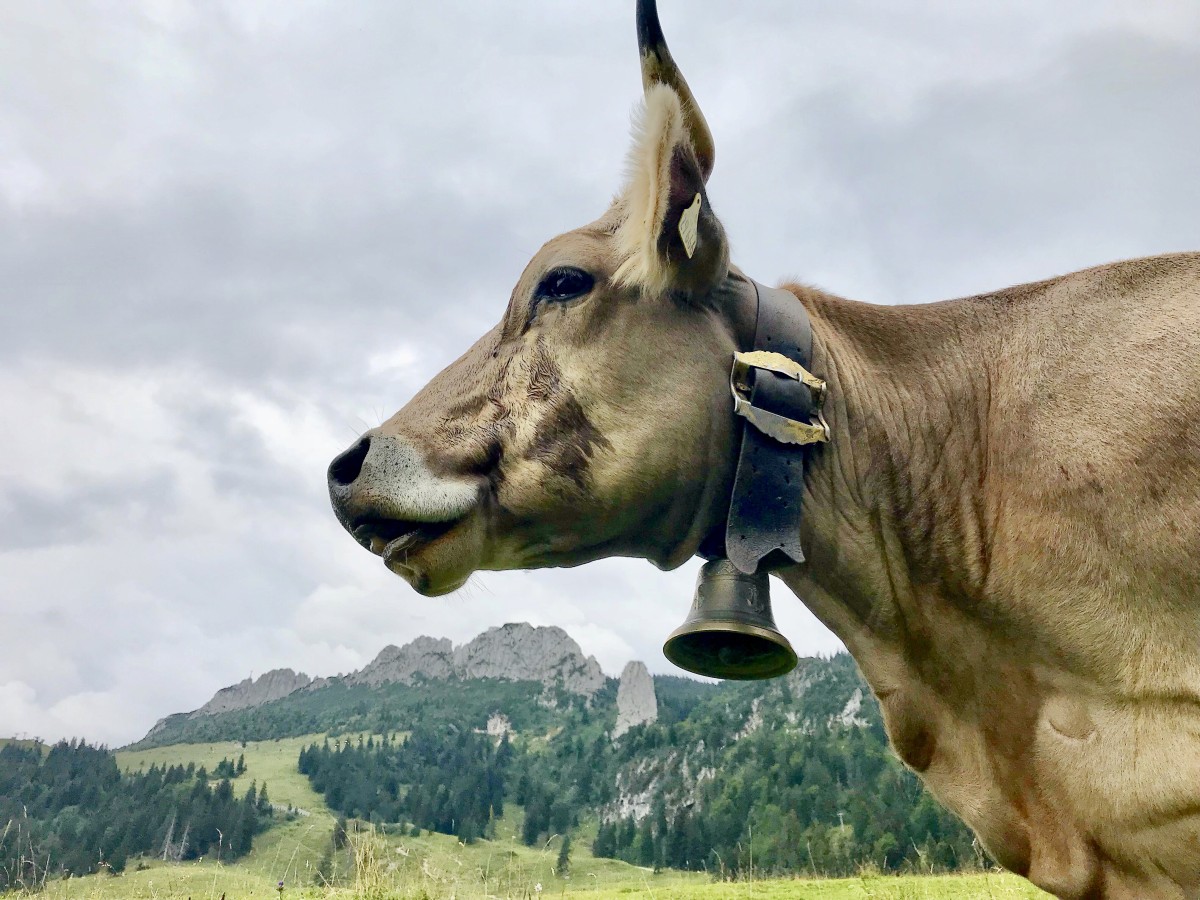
<point x="781" y="403"/>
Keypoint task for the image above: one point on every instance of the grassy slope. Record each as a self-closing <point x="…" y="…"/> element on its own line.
<point x="437" y="866"/>
<point x="290" y="850"/>
<point x="273" y="762"/>
<point x="207" y="881"/>
<point x="21" y="742"/>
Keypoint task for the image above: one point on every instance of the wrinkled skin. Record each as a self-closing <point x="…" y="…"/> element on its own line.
<point x="1004" y="529"/>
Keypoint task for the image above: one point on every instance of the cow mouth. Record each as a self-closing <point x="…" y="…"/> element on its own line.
<point x="391" y="537"/>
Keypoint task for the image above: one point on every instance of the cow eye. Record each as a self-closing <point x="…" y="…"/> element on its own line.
<point x="565" y="284"/>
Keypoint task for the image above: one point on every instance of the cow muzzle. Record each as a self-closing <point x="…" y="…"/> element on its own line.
<point x="385" y="494"/>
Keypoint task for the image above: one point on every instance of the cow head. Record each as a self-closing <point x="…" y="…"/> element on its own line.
<point x="594" y="419"/>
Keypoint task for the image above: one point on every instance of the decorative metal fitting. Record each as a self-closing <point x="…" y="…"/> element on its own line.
<point x="781" y="428"/>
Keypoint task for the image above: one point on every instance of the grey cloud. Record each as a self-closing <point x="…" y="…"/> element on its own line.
<point x="1084" y="159"/>
<point x="274" y="199"/>
<point x="202" y="278"/>
<point x="1091" y="159"/>
<point x="83" y="511"/>
<point x="238" y="460"/>
<point x="269" y="225"/>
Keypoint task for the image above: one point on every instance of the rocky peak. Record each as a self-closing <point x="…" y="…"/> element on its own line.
<point x="430" y="657"/>
<point x="269" y="686"/>
<point x="514" y="652"/>
<point x="520" y="652"/>
<point x="636" y="701"/>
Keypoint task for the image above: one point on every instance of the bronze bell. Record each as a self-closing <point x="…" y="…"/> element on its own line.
<point x="730" y="632"/>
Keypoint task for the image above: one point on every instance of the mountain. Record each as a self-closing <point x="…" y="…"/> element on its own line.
<point x="521" y="652"/>
<point x="423" y="657"/>
<point x="531" y="677"/>
<point x="513" y="652"/>
<point x="792" y="775"/>
<point x="272" y="685"/>
<point x="516" y="652"/>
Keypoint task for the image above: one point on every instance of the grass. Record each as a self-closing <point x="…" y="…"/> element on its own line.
<point x="23" y="742"/>
<point x="209" y="881"/>
<point x="291" y="849"/>
<point x="384" y="866"/>
<point x="272" y="762"/>
<point x="885" y="887"/>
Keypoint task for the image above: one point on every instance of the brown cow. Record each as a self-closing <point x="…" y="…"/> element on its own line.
<point x="1004" y="529"/>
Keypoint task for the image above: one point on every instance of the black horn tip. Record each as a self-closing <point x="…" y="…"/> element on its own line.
<point x="649" y="30"/>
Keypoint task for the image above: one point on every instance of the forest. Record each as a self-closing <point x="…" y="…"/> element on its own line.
<point x="449" y="780"/>
<point x="806" y="791"/>
<point x="68" y="809"/>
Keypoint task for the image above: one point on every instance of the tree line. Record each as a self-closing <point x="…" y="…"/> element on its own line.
<point x="826" y="802"/>
<point x="450" y="779"/>
<point x="808" y="789"/>
<point x="69" y="809"/>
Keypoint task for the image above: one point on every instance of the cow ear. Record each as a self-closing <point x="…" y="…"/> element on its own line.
<point x="669" y="238"/>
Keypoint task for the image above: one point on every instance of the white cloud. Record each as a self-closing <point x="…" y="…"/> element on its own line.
<point x="21" y="715"/>
<point x="232" y="236"/>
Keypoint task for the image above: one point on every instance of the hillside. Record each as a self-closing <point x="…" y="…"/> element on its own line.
<point x="750" y="770"/>
<point x="791" y="775"/>
<point x="438" y="866"/>
<point x="338" y="706"/>
<point x="524" y="671"/>
<point x="294" y="849"/>
<point x="70" y="810"/>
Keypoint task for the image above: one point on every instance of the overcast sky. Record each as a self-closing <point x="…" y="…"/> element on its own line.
<point x="235" y="234"/>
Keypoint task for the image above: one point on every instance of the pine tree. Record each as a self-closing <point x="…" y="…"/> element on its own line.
<point x="605" y="845"/>
<point x="468" y="832"/>
<point x="323" y="876"/>
<point x="561" y="817"/>
<point x="630" y="833"/>
<point x="563" y="864"/>
<point x="339" y="839"/>
<point x="645" y="844"/>
<point x="247" y="824"/>
<point x="676" y="842"/>
<point x="531" y="828"/>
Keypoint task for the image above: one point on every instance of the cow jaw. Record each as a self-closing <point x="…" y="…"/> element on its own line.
<point x="422" y="524"/>
<point x="441" y="565"/>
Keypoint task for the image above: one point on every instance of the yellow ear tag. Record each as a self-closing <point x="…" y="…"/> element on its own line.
<point x="688" y="223"/>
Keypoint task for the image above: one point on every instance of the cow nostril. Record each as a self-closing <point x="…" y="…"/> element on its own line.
<point x="345" y="468"/>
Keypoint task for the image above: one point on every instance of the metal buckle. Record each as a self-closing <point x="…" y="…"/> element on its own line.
<point x="781" y="428"/>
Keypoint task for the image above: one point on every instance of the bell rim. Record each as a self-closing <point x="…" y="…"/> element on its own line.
<point x="774" y="636"/>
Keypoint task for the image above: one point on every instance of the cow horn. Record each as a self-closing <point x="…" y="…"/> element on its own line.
<point x="659" y="68"/>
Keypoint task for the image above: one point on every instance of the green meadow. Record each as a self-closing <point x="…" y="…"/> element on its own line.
<point x="382" y="863"/>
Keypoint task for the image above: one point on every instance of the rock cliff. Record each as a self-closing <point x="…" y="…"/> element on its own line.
<point x="520" y="652"/>
<point x="636" y="702"/>
<point x="514" y="652"/>
<point x="430" y="657"/>
<point x="269" y="686"/>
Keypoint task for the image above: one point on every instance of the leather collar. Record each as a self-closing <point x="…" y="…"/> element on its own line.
<point x="778" y="402"/>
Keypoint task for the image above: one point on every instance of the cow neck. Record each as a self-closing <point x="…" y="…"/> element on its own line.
<point x="777" y="403"/>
